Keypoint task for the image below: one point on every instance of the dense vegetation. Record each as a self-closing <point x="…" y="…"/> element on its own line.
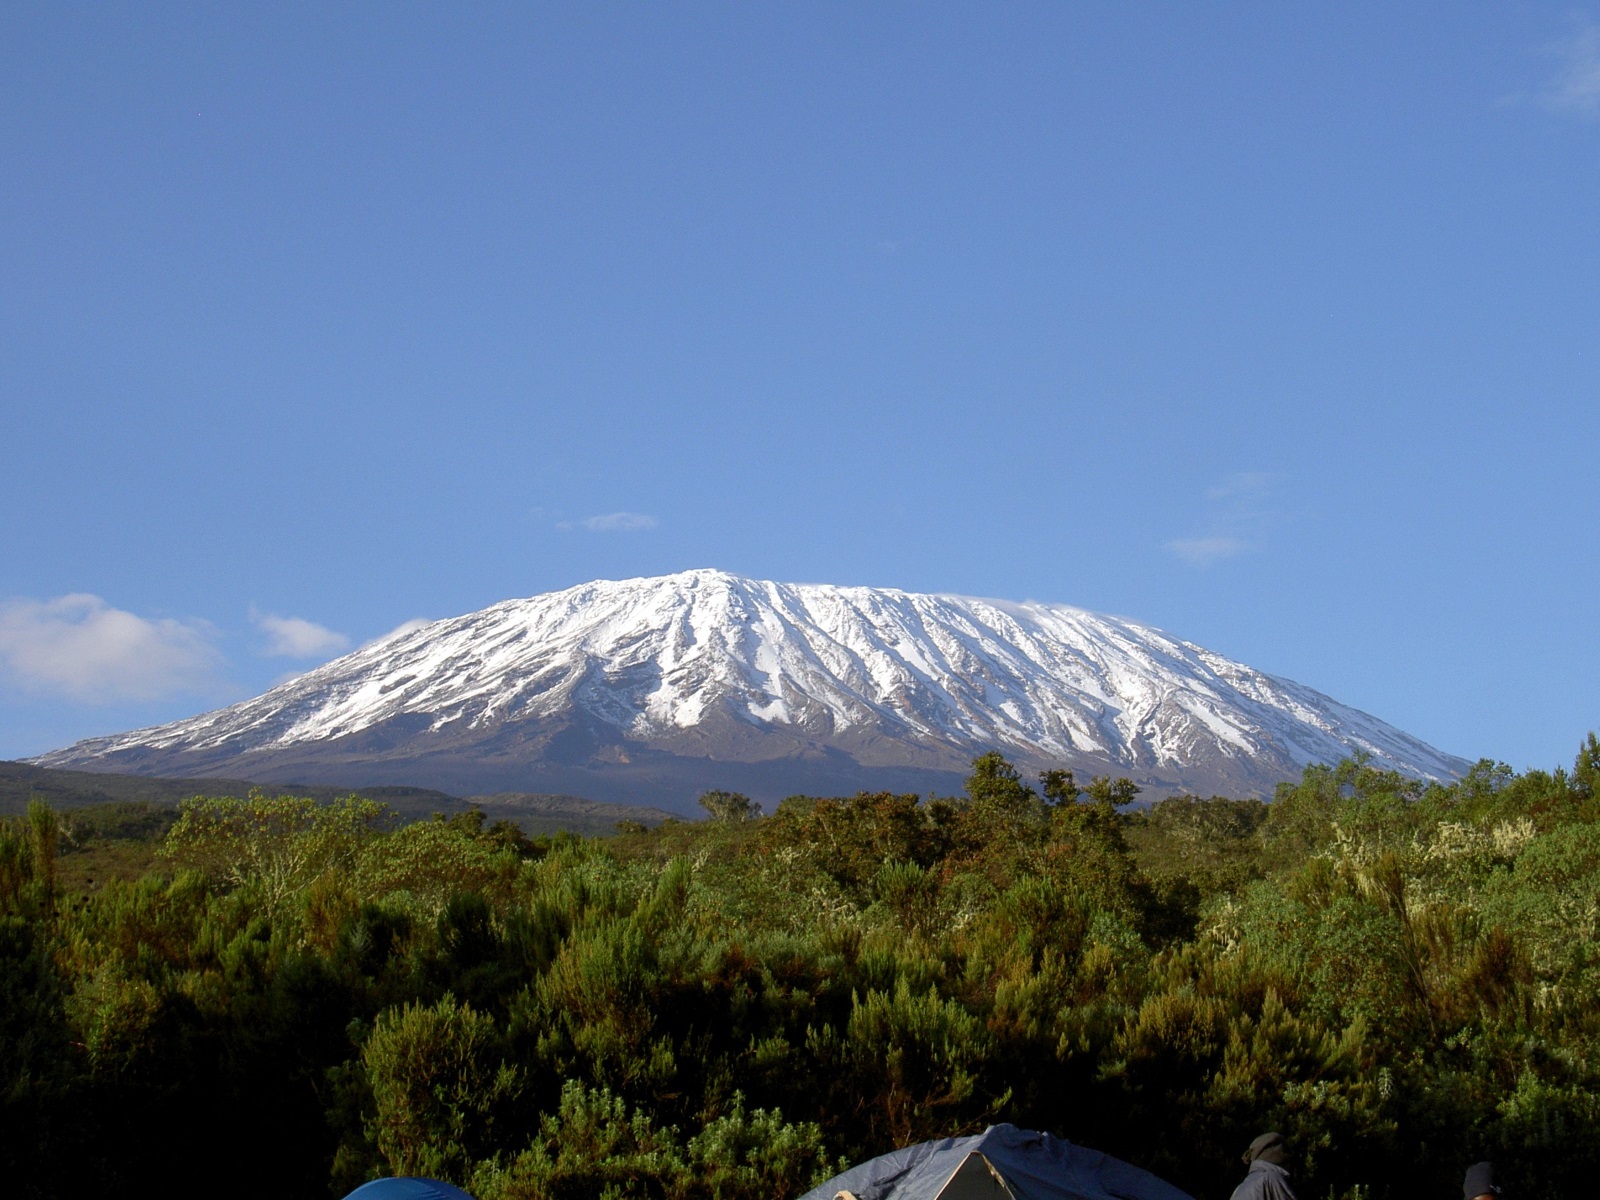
<point x="297" y="996"/>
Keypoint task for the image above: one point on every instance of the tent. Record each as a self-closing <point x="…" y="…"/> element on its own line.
<point x="1001" y="1163"/>
<point x="407" y="1187"/>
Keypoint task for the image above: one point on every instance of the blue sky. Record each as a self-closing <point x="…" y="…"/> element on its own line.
<point x="1276" y="326"/>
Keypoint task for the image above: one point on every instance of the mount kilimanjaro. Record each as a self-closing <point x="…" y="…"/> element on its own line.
<point x="652" y="690"/>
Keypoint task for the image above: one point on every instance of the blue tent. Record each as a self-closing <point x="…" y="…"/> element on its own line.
<point x="1001" y="1163"/>
<point x="408" y="1187"/>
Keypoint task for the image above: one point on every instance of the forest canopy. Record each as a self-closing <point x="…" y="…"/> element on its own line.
<point x="297" y="996"/>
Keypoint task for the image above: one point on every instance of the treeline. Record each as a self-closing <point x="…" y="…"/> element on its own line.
<point x="299" y="996"/>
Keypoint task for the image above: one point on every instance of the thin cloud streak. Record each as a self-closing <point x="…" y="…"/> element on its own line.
<point x="1237" y="512"/>
<point x="80" y="647"/>
<point x="1203" y="551"/>
<point x="617" y="522"/>
<point x="1241" y="483"/>
<point x="1576" y="87"/>
<point x="402" y="629"/>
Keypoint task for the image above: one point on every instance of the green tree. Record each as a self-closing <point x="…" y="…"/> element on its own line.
<point x="1058" y="786"/>
<point x="438" y="1083"/>
<point x="44" y="833"/>
<point x="279" y="844"/>
<point x="16" y="864"/>
<point x="1586" y="770"/>
<point x="993" y="782"/>
<point x="729" y="806"/>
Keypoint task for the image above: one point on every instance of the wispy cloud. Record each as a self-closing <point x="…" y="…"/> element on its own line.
<point x="399" y="631"/>
<point x="80" y="647"/>
<point x="617" y="522"/>
<point x="1575" y="88"/>
<point x="1241" y="483"/>
<point x="1235" y="514"/>
<point x="404" y="628"/>
<point x="295" y="637"/>
<point x="1203" y="551"/>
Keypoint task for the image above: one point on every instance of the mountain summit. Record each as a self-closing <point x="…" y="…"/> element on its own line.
<point x="653" y="689"/>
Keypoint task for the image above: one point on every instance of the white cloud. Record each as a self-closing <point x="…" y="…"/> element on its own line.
<point x="295" y="637"/>
<point x="80" y="647"/>
<point x="1203" y="551"/>
<point x="1576" y="87"/>
<point x="617" y="522"/>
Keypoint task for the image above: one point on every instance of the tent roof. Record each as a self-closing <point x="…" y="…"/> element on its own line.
<point x="407" y="1187"/>
<point x="1035" y="1166"/>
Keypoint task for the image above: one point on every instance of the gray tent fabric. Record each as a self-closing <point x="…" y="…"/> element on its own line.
<point x="1033" y="1166"/>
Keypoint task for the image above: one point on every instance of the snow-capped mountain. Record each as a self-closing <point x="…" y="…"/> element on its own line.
<point x="651" y="689"/>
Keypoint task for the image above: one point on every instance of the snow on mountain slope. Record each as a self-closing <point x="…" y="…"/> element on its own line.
<point x="710" y="665"/>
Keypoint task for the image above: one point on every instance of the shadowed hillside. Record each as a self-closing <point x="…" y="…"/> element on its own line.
<point x="532" y="812"/>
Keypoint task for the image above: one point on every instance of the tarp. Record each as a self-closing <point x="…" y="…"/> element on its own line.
<point x="407" y="1187"/>
<point x="1033" y="1166"/>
